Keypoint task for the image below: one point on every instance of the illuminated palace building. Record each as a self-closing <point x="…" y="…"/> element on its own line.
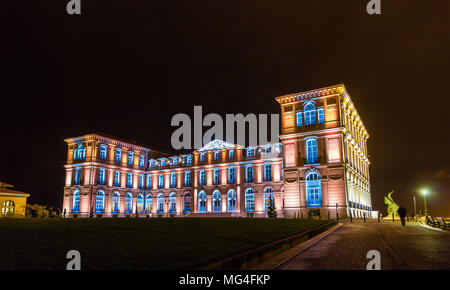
<point x="319" y="167"/>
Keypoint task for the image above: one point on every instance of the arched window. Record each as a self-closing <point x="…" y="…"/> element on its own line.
<point x="151" y="163"/>
<point x="311" y="151"/>
<point x="173" y="180"/>
<point x="103" y="151"/>
<point x="163" y="162"/>
<point x="202" y="177"/>
<point x="189" y="159"/>
<point x="173" y="203"/>
<point x="76" y="201"/>
<point x="250" y="151"/>
<point x="117" y="178"/>
<point x="130" y="180"/>
<point x="115" y="202"/>
<point x="100" y="202"/>
<point x="187" y="202"/>
<point x="216" y="201"/>
<point x="231" y="175"/>
<point x="202" y="201"/>
<point x="149" y="181"/>
<point x="130" y="158"/>
<point x="118" y="156"/>
<point x="160" y="200"/>
<point x="268" y="193"/>
<point x="216" y="155"/>
<point x="161" y="181"/>
<point x="231" y="200"/>
<point x="249" y="173"/>
<point x="216" y="176"/>
<point x="249" y="200"/>
<point x="175" y="161"/>
<point x="310" y="114"/>
<point x="81" y="152"/>
<point x="231" y="154"/>
<point x="202" y="157"/>
<point x="77" y="179"/>
<point x="313" y="190"/>
<point x="128" y="203"/>
<point x="8" y="207"/>
<point x="187" y="178"/>
<point x="140" y="203"/>
<point x="148" y="203"/>
<point x="101" y="176"/>
<point x="267" y="172"/>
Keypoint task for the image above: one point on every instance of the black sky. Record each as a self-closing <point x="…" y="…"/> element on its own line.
<point x="126" y="67"/>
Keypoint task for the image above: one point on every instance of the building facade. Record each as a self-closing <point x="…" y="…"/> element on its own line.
<point x="320" y="167"/>
<point x="12" y="203"/>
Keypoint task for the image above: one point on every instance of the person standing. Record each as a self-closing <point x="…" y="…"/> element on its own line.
<point x="402" y="213"/>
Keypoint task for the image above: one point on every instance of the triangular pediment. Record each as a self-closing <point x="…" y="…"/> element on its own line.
<point x="217" y="145"/>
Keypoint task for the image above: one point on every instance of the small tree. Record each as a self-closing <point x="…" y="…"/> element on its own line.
<point x="271" y="209"/>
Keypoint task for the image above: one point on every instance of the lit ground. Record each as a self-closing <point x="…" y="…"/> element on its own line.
<point x="180" y="243"/>
<point x="401" y="248"/>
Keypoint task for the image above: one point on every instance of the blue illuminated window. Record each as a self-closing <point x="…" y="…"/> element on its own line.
<point x="115" y="202"/>
<point x="151" y="163"/>
<point x="161" y="181"/>
<point x="311" y="151"/>
<point x="187" y="178"/>
<point x="267" y="172"/>
<point x="163" y="162"/>
<point x="310" y="114"/>
<point x="100" y="202"/>
<point x="130" y="158"/>
<point x="231" y="154"/>
<point x="149" y="181"/>
<point x="80" y="153"/>
<point x="140" y="203"/>
<point x="231" y="200"/>
<point x="321" y="116"/>
<point x="175" y="162"/>
<point x="268" y="193"/>
<point x="249" y="200"/>
<point x="313" y="190"/>
<point x="103" y="152"/>
<point x="141" y="161"/>
<point x="187" y="203"/>
<point x="216" y="178"/>
<point x="101" y="176"/>
<point x="250" y="152"/>
<point x="160" y="201"/>
<point x="128" y="203"/>
<point x="77" y="179"/>
<point x="216" y="201"/>
<point x="202" y="157"/>
<point x="141" y="181"/>
<point x="130" y="180"/>
<point x="231" y="174"/>
<point x="76" y="201"/>
<point x="216" y="155"/>
<point x="202" y="202"/>
<point x="148" y="203"/>
<point x="117" y="178"/>
<point x="202" y="177"/>
<point x="249" y="173"/>
<point x="173" y="180"/>
<point x="189" y="159"/>
<point x="173" y="203"/>
<point x="118" y="156"/>
<point x="299" y="119"/>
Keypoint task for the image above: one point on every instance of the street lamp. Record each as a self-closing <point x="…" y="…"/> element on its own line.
<point x="415" y="208"/>
<point x="425" y="193"/>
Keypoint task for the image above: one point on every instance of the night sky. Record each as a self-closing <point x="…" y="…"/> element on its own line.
<point x="126" y="67"/>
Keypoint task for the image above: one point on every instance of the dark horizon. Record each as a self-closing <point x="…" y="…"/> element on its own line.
<point x="125" y="68"/>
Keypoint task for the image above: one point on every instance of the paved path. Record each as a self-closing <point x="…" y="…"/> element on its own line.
<point x="410" y="247"/>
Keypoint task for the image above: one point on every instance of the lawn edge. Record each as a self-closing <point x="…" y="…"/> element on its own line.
<point x="253" y="257"/>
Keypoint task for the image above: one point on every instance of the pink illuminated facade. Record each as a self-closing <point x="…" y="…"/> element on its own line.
<point x="321" y="166"/>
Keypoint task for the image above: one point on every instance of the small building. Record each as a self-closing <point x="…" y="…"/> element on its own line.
<point x="12" y="202"/>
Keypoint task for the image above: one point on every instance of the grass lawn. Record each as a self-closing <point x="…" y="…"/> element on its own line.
<point x="179" y="243"/>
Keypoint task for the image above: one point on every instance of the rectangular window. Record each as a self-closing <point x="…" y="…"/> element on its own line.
<point x="141" y="181"/>
<point x="321" y="116"/>
<point x="299" y="119"/>
<point x="231" y="174"/>
<point x="130" y="158"/>
<point x="149" y="181"/>
<point x="117" y="178"/>
<point x="161" y="181"/>
<point x="103" y="150"/>
<point x="202" y="177"/>
<point x="249" y="174"/>
<point x="130" y="180"/>
<point x="141" y="161"/>
<point x="118" y="156"/>
<point x="187" y="178"/>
